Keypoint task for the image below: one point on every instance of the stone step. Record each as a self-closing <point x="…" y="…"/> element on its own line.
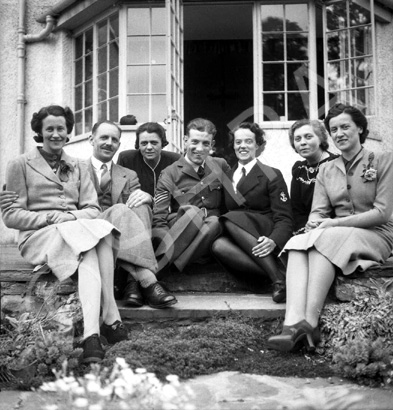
<point x="200" y="306"/>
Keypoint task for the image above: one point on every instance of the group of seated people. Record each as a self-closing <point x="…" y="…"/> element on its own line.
<point x="155" y="209"/>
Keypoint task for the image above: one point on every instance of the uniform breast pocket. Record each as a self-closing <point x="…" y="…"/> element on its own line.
<point x="215" y="186"/>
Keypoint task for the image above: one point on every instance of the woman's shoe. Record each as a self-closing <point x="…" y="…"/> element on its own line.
<point x="316" y="338"/>
<point x="279" y="294"/>
<point x="293" y="338"/>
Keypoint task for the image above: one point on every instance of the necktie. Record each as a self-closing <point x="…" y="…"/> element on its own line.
<point x="242" y="178"/>
<point x="105" y="177"/>
<point x="201" y="172"/>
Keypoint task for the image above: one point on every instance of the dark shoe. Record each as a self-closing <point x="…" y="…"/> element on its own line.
<point x="316" y="338"/>
<point x="114" y="333"/>
<point x="293" y="338"/>
<point x="157" y="297"/>
<point x="132" y="294"/>
<point x="279" y="294"/>
<point x="92" y="349"/>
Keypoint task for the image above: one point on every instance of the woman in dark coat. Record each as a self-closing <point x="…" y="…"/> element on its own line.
<point x="309" y="139"/>
<point x="259" y="218"/>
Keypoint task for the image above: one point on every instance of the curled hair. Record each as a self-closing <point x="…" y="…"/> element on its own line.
<point x="203" y="125"/>
<point x="357" y="117"/>
<point x="152" y="128"/>
<point x="254" y="128"/>
<point x="55" y="110"/>
<point x="318" y="128"/>
<point x="97" y="125"/>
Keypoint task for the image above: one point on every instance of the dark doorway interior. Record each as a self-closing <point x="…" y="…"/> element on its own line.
<point x="218" y="66"/>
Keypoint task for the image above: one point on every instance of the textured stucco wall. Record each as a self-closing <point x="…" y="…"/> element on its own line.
<point x="48" y="79"/>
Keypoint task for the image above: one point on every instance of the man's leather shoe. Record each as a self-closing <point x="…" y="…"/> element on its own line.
<point x="114" y="333"/>
<point x="132" y="294"/>
<point x="157" y="297"/>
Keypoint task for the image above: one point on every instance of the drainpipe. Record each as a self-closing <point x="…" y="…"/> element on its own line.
<point x="21" y="53"/>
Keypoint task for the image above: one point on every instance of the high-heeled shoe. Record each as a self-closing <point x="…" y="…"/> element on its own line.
<point x="316" y="338"/>
<point x="293" y="338"/>
<point x="279" y="294"/>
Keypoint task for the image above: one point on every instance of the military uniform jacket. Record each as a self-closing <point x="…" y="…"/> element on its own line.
<point x="179" y="185"/>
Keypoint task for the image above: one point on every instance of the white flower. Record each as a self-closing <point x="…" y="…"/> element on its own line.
<point x="174" y="379"/>
<point x="121" y="362"/>
<point x="96" y="406"/>
<point x="92" y="386"/>
<point x="81" y="402"/>
<point x="140" y="371"/>
<point x="51" y="407"/>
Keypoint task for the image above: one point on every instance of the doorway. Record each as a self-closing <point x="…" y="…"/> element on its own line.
<point x="218" y="66"/>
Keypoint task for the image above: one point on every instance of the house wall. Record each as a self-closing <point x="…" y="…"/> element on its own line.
<point x="49" y="80"/>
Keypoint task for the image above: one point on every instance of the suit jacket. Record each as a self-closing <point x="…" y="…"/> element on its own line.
<point x="40" y="190"/>
<point x="180" y="185"/>
<point x="124" y="181"/>
<point x="133" y="159"/>
<point x="264" y="191"/>
<point x="350" y="194"/>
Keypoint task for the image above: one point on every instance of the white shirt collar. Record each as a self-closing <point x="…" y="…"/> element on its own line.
<point x="248" y="167"/>
<point x="97" y="164"/>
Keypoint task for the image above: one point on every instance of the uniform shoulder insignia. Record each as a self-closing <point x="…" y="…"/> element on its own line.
<point x="283" y="197"/>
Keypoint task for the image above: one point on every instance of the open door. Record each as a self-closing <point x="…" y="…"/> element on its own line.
<point x="175" y="91"/>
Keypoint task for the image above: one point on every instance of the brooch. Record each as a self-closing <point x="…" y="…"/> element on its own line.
<point x="64" y="169"/>
<point x="369" y="172"/>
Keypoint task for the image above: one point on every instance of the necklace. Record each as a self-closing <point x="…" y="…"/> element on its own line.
<point x="311" y="170"/>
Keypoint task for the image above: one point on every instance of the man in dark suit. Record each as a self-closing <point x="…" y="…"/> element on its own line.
<point x="188" y="200"/>
<point x="148" y="159"/>
<point x="127" y="207"/>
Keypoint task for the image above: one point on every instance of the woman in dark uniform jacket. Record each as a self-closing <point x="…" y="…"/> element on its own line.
<point x="259" y="218"/>
<point x="309" y="139"/>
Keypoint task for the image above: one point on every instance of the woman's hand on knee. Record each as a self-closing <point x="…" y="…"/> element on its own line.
<point x="264" y="248"/>
<point x="56" y="217"/>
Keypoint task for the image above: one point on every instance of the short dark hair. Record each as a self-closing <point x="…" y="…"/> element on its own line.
<point x="203" y="125"/>
<point x="55" y="110"/>
<point x="152" y="127"/>
<point x="357" y="117"/>
<point x="128" y="120"/>
<point x="317" y="127"/>
<point x="97" y="124"/>
<point x="254" y="128"/>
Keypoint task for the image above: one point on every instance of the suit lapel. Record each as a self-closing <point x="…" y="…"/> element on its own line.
<point x="252" y="179"/>
<point x="187" y="168"/>
<point x="119" y="179"/>
<point x="37" y="162"/>
<point x="93" y="176"/>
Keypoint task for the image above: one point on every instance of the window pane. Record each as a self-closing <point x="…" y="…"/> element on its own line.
<point x="343" y="97"/>
<point x="296" y="17"/>
<point x="79" y="46"/>
<point x="138" y="21"/>
<point x="338" y="74"/>
<point x="113" y="55"/>
<point x="337" y="45"/>
<point x="89" y="41"/>
<point x="88" y="93"/>
<point x="297" y="47"/>
<point x="361" y="43"/>
<point x="114" y="27"/>
<point x="358" y="15"/>
<point x="336" y="16"/>
<point x="78" y="123"/>
<point x="297" y="77"/>
<point x="272" y="17"/>
<point x="138" y="105"/>
<point x="274" y="107"/>
<point x="101" y="111"/>
<point x="137" y="79"/>
<point x="158" y="107"/>
<point x="102" y="33"/>
<point x="88" y="120"/>
<point x="114" y="110"/>
<point x="78" y="98"/>
<point x="102" y="87"/>
<point x="298" y="106"/>
<point x="78" y="71"/>
<point x="273" y="47"/>
<point x="88" y="67"/>
<point x="102" y="59"/>
<point x="158" y="79"/>
<point x="362" y="72"/>
<point x="158" y="21"/>
<point x="158" y="50"/>
<point x="273" y="77"/>
<point x="364" y="100"/>
<point x="138" y="50"/>
<point x="113" y="83"/>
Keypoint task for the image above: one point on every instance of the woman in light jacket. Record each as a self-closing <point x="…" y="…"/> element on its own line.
<point x="357" y="187"/>
<point x="55" y="214"/>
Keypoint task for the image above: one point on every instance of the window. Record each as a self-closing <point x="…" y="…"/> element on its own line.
<point x="96" y="74"/>
<point x="284" y="61"/>
<point x="146" y="63"/>
<point x="349" y="54"/>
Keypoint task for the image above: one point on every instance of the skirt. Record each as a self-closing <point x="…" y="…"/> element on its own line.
<point x="61" y="246"/>
<point x="345" y="247"/>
